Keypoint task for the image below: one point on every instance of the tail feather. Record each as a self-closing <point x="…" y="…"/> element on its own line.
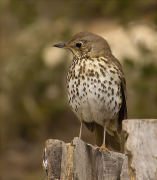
<point x="111" y="142"/>
<point x="99" y="134"/>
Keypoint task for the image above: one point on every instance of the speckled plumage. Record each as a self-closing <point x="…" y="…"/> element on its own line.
<point x="96" y="84"/>
<point x="94" y="90"/>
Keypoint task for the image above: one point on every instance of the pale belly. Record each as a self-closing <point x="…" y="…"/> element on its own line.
<point x="93" y="99"/>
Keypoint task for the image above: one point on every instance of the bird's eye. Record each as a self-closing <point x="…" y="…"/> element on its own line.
<point x="79" y="44"/>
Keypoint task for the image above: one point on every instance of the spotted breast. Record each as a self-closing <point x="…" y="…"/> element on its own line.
<point x="94" y="93"/>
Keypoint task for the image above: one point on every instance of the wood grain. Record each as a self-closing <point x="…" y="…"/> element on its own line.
<point x="81" y="161"/>
<point x="141" y="148"/>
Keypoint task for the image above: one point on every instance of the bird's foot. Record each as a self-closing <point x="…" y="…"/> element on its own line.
<point x="103" y="147"/>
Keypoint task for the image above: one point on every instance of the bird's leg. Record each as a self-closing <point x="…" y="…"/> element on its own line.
<point x="103" y="145"/>
<point x="80" y="131"/>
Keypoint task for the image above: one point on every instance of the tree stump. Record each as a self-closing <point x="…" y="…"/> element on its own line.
<point x="81" y="161"/>
<point x="141" y="148"/>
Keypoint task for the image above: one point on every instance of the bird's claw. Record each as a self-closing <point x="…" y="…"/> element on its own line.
<point x="103" y="147"/>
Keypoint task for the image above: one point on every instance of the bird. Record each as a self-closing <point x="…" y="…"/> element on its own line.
<point x="96" y="88"/>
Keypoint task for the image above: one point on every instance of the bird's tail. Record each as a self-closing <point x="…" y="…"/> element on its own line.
<point x="111" y="142"/>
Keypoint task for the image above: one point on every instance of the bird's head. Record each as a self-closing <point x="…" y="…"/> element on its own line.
<point x="87" y="43"/>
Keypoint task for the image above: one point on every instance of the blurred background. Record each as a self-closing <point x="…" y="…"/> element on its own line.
<point x="34" y="105"/>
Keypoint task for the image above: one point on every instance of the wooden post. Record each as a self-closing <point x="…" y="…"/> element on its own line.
<point x="81" y="161"/>
<point x="141" y="148"/>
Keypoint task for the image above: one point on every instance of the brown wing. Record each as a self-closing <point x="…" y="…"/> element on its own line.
<point x="123" y="110"/>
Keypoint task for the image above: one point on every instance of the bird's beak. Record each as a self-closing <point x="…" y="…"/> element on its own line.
<point x="61" y="45"/>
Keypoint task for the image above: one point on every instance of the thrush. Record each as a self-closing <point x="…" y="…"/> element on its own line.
<point x="96" y="88"/>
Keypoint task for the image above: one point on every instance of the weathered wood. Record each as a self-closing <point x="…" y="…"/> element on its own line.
<point x="82" y="161"/>
<point x="141" y="148"/>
